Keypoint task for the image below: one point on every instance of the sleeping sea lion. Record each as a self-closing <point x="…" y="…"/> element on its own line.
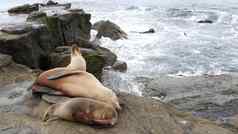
<point x="83" y="110"/>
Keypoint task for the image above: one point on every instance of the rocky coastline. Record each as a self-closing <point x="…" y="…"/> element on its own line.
<point x="44" y="41"/>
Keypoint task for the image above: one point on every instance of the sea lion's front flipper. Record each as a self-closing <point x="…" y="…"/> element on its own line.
<point x="45" y="90"/>
<point x="63" y="73"/>
<point x="52" y="99"/>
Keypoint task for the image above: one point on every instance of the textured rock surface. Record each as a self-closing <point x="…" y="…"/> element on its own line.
<point x="139" y="116"/>
<point x="31" y="45"/>
<point x="211" y="97"/>
<point x="10" y="72"/>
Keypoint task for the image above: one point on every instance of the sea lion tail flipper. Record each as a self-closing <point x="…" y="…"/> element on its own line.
<point x="63" y="73"/>
<point x="48" y="115"/>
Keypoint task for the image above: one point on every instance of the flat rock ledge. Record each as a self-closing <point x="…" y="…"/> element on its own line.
<point x="139" y="116"/>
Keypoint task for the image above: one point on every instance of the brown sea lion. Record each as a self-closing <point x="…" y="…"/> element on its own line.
<point x="76" y="83"/>
<point x="77" y="61"/>
<point x="83" y="110"/>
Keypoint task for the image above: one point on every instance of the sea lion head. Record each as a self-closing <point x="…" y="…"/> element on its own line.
<point x="75" y="50"/>
<point x="77" y="61"/>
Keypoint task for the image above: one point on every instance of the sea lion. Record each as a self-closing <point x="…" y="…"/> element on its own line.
<point x="76" y="83"/>
<point x="77" y="61"/>
<point x="83" y="110"/>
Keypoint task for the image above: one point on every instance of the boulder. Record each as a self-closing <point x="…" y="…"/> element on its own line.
<point x="109" y="29"/>
<point x="96" y="58"/>
<point x="120" y="66"/>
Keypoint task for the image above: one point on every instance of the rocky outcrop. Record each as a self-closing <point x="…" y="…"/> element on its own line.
<point x="29" y="8"/>
<point x="28" y="47"/>
<point x="31" y="43"/>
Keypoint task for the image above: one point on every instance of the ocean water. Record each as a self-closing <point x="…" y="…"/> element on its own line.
<point x="180" y="45"/>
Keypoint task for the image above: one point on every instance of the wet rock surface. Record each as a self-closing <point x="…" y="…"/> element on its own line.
<point x="211" y="97"/>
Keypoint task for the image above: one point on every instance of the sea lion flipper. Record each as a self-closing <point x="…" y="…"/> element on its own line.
<point x="53" y="99"/>
<point x="62" y="73"/>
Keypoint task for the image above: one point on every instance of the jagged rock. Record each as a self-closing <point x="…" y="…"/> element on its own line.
<point x="109" y="29"/>
<point x="96" y="59"/>
<point x="69" y="27"/>
<point x="31" y="44"/>
<point x="120" y="66"/>
<point x="30" y="48"/>
<point x="24" y="9"/>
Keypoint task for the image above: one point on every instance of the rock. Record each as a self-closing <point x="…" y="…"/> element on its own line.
<point x="109" y="29"/>
<point x="211" y="97"/>
<point x="31" y="44"/>
<point x="50" y="3"/>
<point x="5" y="60"/>
<point x="36" y="16"/>
<point x="30" y="48"/>
<point x="95" y="59"/>
<point x="120" y="66"/>
<point x="139" y="116"/>
<point x="149" y="31"/>
<point x="205" y="21"/>
<point x="69" y="27"/>
<point x="16" y="29"/>
<point x="12" y="72"/>
<point x="24" y="9"/>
